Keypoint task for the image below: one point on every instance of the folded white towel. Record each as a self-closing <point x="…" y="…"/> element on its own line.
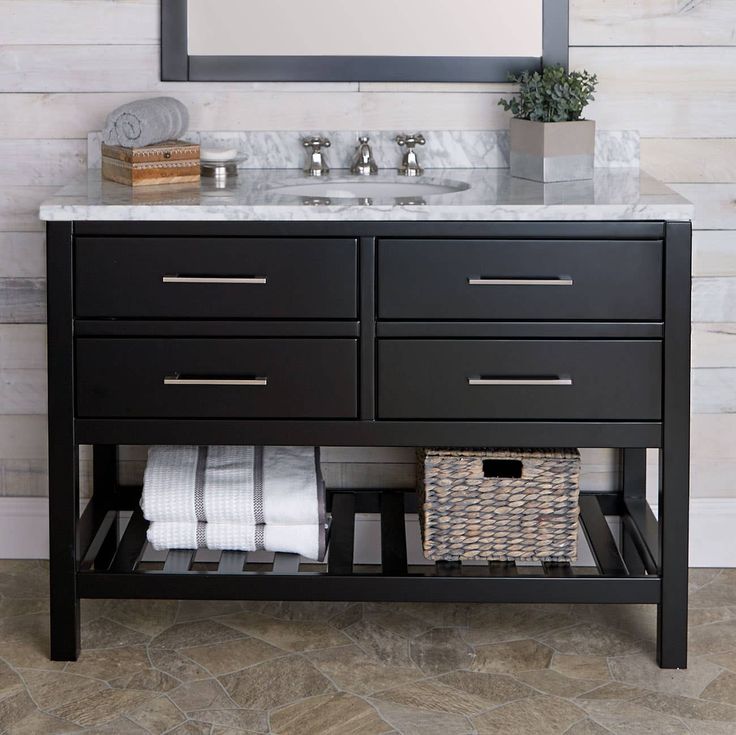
<point x="306" y="540"/>
<point x="234" y="484"/>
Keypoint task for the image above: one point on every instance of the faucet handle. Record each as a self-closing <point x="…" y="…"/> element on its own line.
<point x="411" y="140"/>
<point x="316" y="142"/>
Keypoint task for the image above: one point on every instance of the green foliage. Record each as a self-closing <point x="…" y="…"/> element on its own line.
<point x="552" y="96"/>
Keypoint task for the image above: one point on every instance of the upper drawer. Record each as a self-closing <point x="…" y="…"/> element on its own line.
<point x="523" y="279"/>
<point x="225" y="278"/>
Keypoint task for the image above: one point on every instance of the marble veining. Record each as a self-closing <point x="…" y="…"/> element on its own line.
<point x="492" y="194"/>
<point x="445" y="149"/>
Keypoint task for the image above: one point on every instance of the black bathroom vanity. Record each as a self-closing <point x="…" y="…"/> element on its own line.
<point x="482" y="318"/>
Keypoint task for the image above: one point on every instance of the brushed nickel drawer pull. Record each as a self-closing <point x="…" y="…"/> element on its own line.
<point x="252" y="280"/>
<point x="177" y="380"/>
<point x="561" y="281"/>
<point x="520" y="381"/>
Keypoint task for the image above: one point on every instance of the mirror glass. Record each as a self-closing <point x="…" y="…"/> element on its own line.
<point x="436" y="28"/>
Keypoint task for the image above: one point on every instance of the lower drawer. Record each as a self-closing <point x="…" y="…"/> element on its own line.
<point x="585" y="380"/>
<point x="217" y="378"/>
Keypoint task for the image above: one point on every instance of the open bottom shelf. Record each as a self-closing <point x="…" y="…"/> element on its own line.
<point x="627" y="573"/>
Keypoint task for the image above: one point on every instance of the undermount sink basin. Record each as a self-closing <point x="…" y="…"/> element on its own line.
<point x="369" y="189"/>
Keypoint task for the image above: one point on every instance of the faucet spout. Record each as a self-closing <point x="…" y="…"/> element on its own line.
<point x="364" y="164"/>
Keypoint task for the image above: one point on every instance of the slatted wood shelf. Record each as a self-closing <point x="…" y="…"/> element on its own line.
<point x="131" y="570"/>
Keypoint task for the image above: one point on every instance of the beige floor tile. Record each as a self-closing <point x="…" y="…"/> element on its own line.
<point x="614" y="690"/>
<point x="383" y="645"/>
<point x="441" y="650"/>
<point x="497" y="623"/>
<point x="157" y="716"/>
<point x="726" y="660"/>
<point x="29" y="655"/>
<point x="230" y="656"/>
<point x="275" y="683"/>
<point x="722" y="688"/>
<point x="151" y="680"/>
<point x="581" y="667"/>
<point x="26" y="629"/>
<point x="101" y="707"/>
<point x="720" y="591"/>
<point x="150" y="617"/>
<point x="199" y="695"/>
<point x="196" y="633"/>
<point x="242" y="720"/>
<point x="689" y="707"/>
<point x="629" y="718"/>
<point x="110" y="663"/>
<point x="177" y="665"/>
<point x="707" y="615"/>
<point x="397" y="621"/>
<point x="411" y="721"/>
<point x="641" y="670"/>
<point x="493" y="689"/>
<point x="587" y="727"/>
<point x="51" y="689"/>
<point x="10" y="607"/>
<point x="716" y="638"/>
<point x="354" y="671"/>
<point x="191" y="728"/>
<point x="10" y="681"/>
<point x="592" y="639"/>
<point x="434" y="696"/>
<point x="511" y="657"/>
<point x="332" y="714"/>
<point x="349" y="616"/>
<point x="38" y="723"/>
<point x="106" y="633"/>
<point x="699" y="577"/>
<point x="314" y="612"/>
<point x="538" y="715"/>
<point x="556" y="684"/>
<point x="14" y="707"/>
<point x="189" y="610"/>
<point x="289" y="635"/>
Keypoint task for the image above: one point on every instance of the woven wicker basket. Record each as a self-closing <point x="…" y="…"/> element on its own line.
<point x="499" y="504"/>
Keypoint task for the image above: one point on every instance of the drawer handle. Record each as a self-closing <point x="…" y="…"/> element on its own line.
<point x="252" y="280"/>
<point x="178" y="380"/>
<point x="520" y="381"/>
<point x="561" y="281"/>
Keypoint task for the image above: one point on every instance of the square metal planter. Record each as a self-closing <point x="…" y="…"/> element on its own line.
<point x="547" y="152"/>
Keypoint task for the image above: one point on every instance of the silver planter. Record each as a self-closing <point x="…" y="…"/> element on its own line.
<point x="547" y="152"/>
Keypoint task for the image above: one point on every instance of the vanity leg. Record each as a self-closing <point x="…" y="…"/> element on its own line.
<point x="674" y="468"/>
<point x="63" y="451"/>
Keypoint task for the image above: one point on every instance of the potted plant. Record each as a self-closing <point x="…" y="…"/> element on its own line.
<point x="550" y="141"/>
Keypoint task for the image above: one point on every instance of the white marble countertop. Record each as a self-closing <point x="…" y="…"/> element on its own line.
<point x="492" y="194"/>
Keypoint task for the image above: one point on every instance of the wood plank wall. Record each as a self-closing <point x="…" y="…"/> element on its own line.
<point x="666" y="68"/>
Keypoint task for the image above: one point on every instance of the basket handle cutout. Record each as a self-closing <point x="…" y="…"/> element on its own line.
<point x="502" y="468"/>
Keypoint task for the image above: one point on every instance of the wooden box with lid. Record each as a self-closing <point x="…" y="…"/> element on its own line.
<point x="170" y="162"/>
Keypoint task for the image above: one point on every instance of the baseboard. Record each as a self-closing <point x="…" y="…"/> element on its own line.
<point x="24" y="531"/>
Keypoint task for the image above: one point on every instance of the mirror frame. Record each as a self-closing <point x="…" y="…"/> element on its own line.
<point x="178" y="66"/>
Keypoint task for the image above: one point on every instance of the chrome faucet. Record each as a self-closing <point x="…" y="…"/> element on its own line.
<point x="316" y="163"/>
<point x="410" y="163"/>
<point x="364" y="164"/>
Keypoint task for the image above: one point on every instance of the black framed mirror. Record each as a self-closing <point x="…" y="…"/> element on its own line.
<point x="351" y="41"/>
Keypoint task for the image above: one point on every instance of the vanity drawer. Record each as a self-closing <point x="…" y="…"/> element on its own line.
<point x="222" y="278"/>
<point x="524" y="279"/>
<point x="585" y="380"/>
<point x="217" y="378"/>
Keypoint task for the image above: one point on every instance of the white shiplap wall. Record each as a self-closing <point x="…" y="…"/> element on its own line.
<point x="666" y="68"/>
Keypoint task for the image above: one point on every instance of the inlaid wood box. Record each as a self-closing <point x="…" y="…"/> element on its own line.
<point x="170" y="162"/>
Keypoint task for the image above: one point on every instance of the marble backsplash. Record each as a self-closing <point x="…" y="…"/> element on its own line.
<point x="444" y="148"/>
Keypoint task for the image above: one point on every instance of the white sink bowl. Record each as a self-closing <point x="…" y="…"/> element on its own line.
<point x="369" y="188"/>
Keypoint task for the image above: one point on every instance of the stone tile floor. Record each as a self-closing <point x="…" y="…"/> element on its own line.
<point x="224" y="668"/>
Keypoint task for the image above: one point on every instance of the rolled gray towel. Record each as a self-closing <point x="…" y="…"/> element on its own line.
<point x="145" y="122"/>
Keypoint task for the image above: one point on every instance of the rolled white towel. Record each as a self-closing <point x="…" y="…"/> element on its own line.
<point x="146" y="122"/>
<point x="307" y="540"/>
<point x="234" y="484"/>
